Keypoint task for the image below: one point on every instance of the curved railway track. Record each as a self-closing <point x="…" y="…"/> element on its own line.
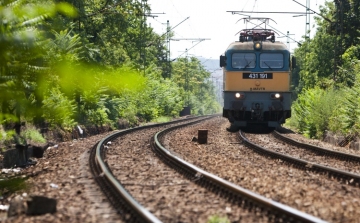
<point x="318" y="150"/>
<point x="117" y="188"/>
<point x="123" y="202"/>
<point x="312" y="192"/>
<point x="313" y="156"/>
<point x="276" y="211"/>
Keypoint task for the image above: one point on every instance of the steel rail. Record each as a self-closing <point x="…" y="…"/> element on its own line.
<point x="101" y="171"/>
<point x="233" y="191"/>
<point x="350" y="177"/>
<point x="319" y="150"/>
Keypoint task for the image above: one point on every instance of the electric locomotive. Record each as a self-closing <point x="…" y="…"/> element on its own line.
<point x="256" y="80"/>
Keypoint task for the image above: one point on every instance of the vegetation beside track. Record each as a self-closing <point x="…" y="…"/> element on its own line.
<point x="326" y="83"/>
<point x="90" y="63"/>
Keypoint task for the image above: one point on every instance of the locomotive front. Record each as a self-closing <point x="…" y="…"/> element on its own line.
<point x="256" y="78"/>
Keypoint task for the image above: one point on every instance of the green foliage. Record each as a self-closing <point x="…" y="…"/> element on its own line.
<point x="78" y="62"/>
<point x="217" y="219"/>
<point x="327" y="59"/>
<point x="12" y="185"/>
<point x="117" y="30"/>
<point x="58" y="110"/>
<point x="64" y="46"/>
<point x="198" y="92"/>
<point x="347" y="119"/>
<point x="94" y="92"/>
<point x="315" y="60"/>
<point x="158" y="97"/>
<point x="86" y="77"/>
<point x="312" y="109"/>
<point x="161" y="119"/>
<point x="32" y="135"/>
<point x="18" y="47"/>
<point x="6" y="135"/>
<point x="22" y="38"/>
<point x="346" y="72"/>
<point x="164" y="94"/>
<point x="326" y="81"/>
<point x="336" y="109"/>
<point x="66" y="9"/>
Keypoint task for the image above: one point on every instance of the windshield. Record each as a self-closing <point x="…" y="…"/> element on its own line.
<point x="271" y="60"/>
<point x="243" y="60"/>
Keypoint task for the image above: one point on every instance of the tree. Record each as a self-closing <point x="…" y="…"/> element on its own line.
<point x="20" y="55"/>
<point x="198" y="91"/>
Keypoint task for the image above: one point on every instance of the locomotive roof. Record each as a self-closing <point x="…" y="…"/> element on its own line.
<point x="266" y="45"/>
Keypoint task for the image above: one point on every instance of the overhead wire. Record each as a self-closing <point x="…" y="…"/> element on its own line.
<point x="254" y="5"/>
<point x="189" y="24"/>
<point x="180" y="15"/>
<point x="245" y="4"/>
<point x="251" y="12"/>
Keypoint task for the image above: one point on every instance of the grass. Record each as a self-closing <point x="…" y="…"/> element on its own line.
<point x="33" y="135"/>
<point x="218" y="219"/>
<point x="11" y="185"/>
<point x="162" y="119"/>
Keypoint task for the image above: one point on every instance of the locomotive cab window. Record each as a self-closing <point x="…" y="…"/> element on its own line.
<point x="271" y="60"/>
<point x="243" y="60"/>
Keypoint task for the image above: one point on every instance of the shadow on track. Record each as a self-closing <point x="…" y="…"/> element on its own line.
<point x="255" y="128"/>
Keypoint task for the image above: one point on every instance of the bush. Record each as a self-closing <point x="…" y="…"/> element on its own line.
<point x="312" y="111"/>
<point x="346" y="118"/>
<point x="32" y="135"/>
<point x="58" y="110"/>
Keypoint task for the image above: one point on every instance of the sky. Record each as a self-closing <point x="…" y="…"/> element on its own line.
<point x="209" y="20"/>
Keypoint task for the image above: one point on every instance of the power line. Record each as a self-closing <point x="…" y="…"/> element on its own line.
<point x="197" y="39"/>
<point x="279" y="32"/>
<point x="300" y="13"/>
<point x="313" y="12"/>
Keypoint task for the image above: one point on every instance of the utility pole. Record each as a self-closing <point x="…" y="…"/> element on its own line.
<point x="168" y="66"/>
<point x="143" y="27"/>
<point x="338" y="28"/>
<point x="338" y="31"/>
<point x="218" y="84"/>
<point x="186" y="84"/>
<point x="187" y="79"/>
<point x="307" y="23"/>
<point x="167" y="33"/>
<point x="186" y="87"/>
<point x="288" y="39"/>
<point x="168" y="63"/>
<point x="143" y="34"/>
<point x="307" y="32"/>
<point x="168" y="54"/>
<point x="186" y="61"/>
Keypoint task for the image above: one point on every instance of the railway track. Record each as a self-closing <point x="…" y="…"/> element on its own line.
<point x="275" y="211"/>
<point x="355" y="159"/>
<point x="161" y="194"/>
<point x="310" y="192"/>
<point x="329" y="159"/>
<point x="121" y="199"/>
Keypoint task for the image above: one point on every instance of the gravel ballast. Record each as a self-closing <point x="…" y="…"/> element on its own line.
<point x="63" y="174"/>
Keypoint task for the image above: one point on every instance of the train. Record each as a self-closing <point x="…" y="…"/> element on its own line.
<point x="257" y="80"/>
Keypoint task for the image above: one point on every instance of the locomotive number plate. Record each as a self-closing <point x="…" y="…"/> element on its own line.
<point x="257" y="76"/>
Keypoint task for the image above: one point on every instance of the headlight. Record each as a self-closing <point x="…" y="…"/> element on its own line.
<point x="257" y="45"/>
<point x="275" y="95"/>
<point x="239" y="95"/>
